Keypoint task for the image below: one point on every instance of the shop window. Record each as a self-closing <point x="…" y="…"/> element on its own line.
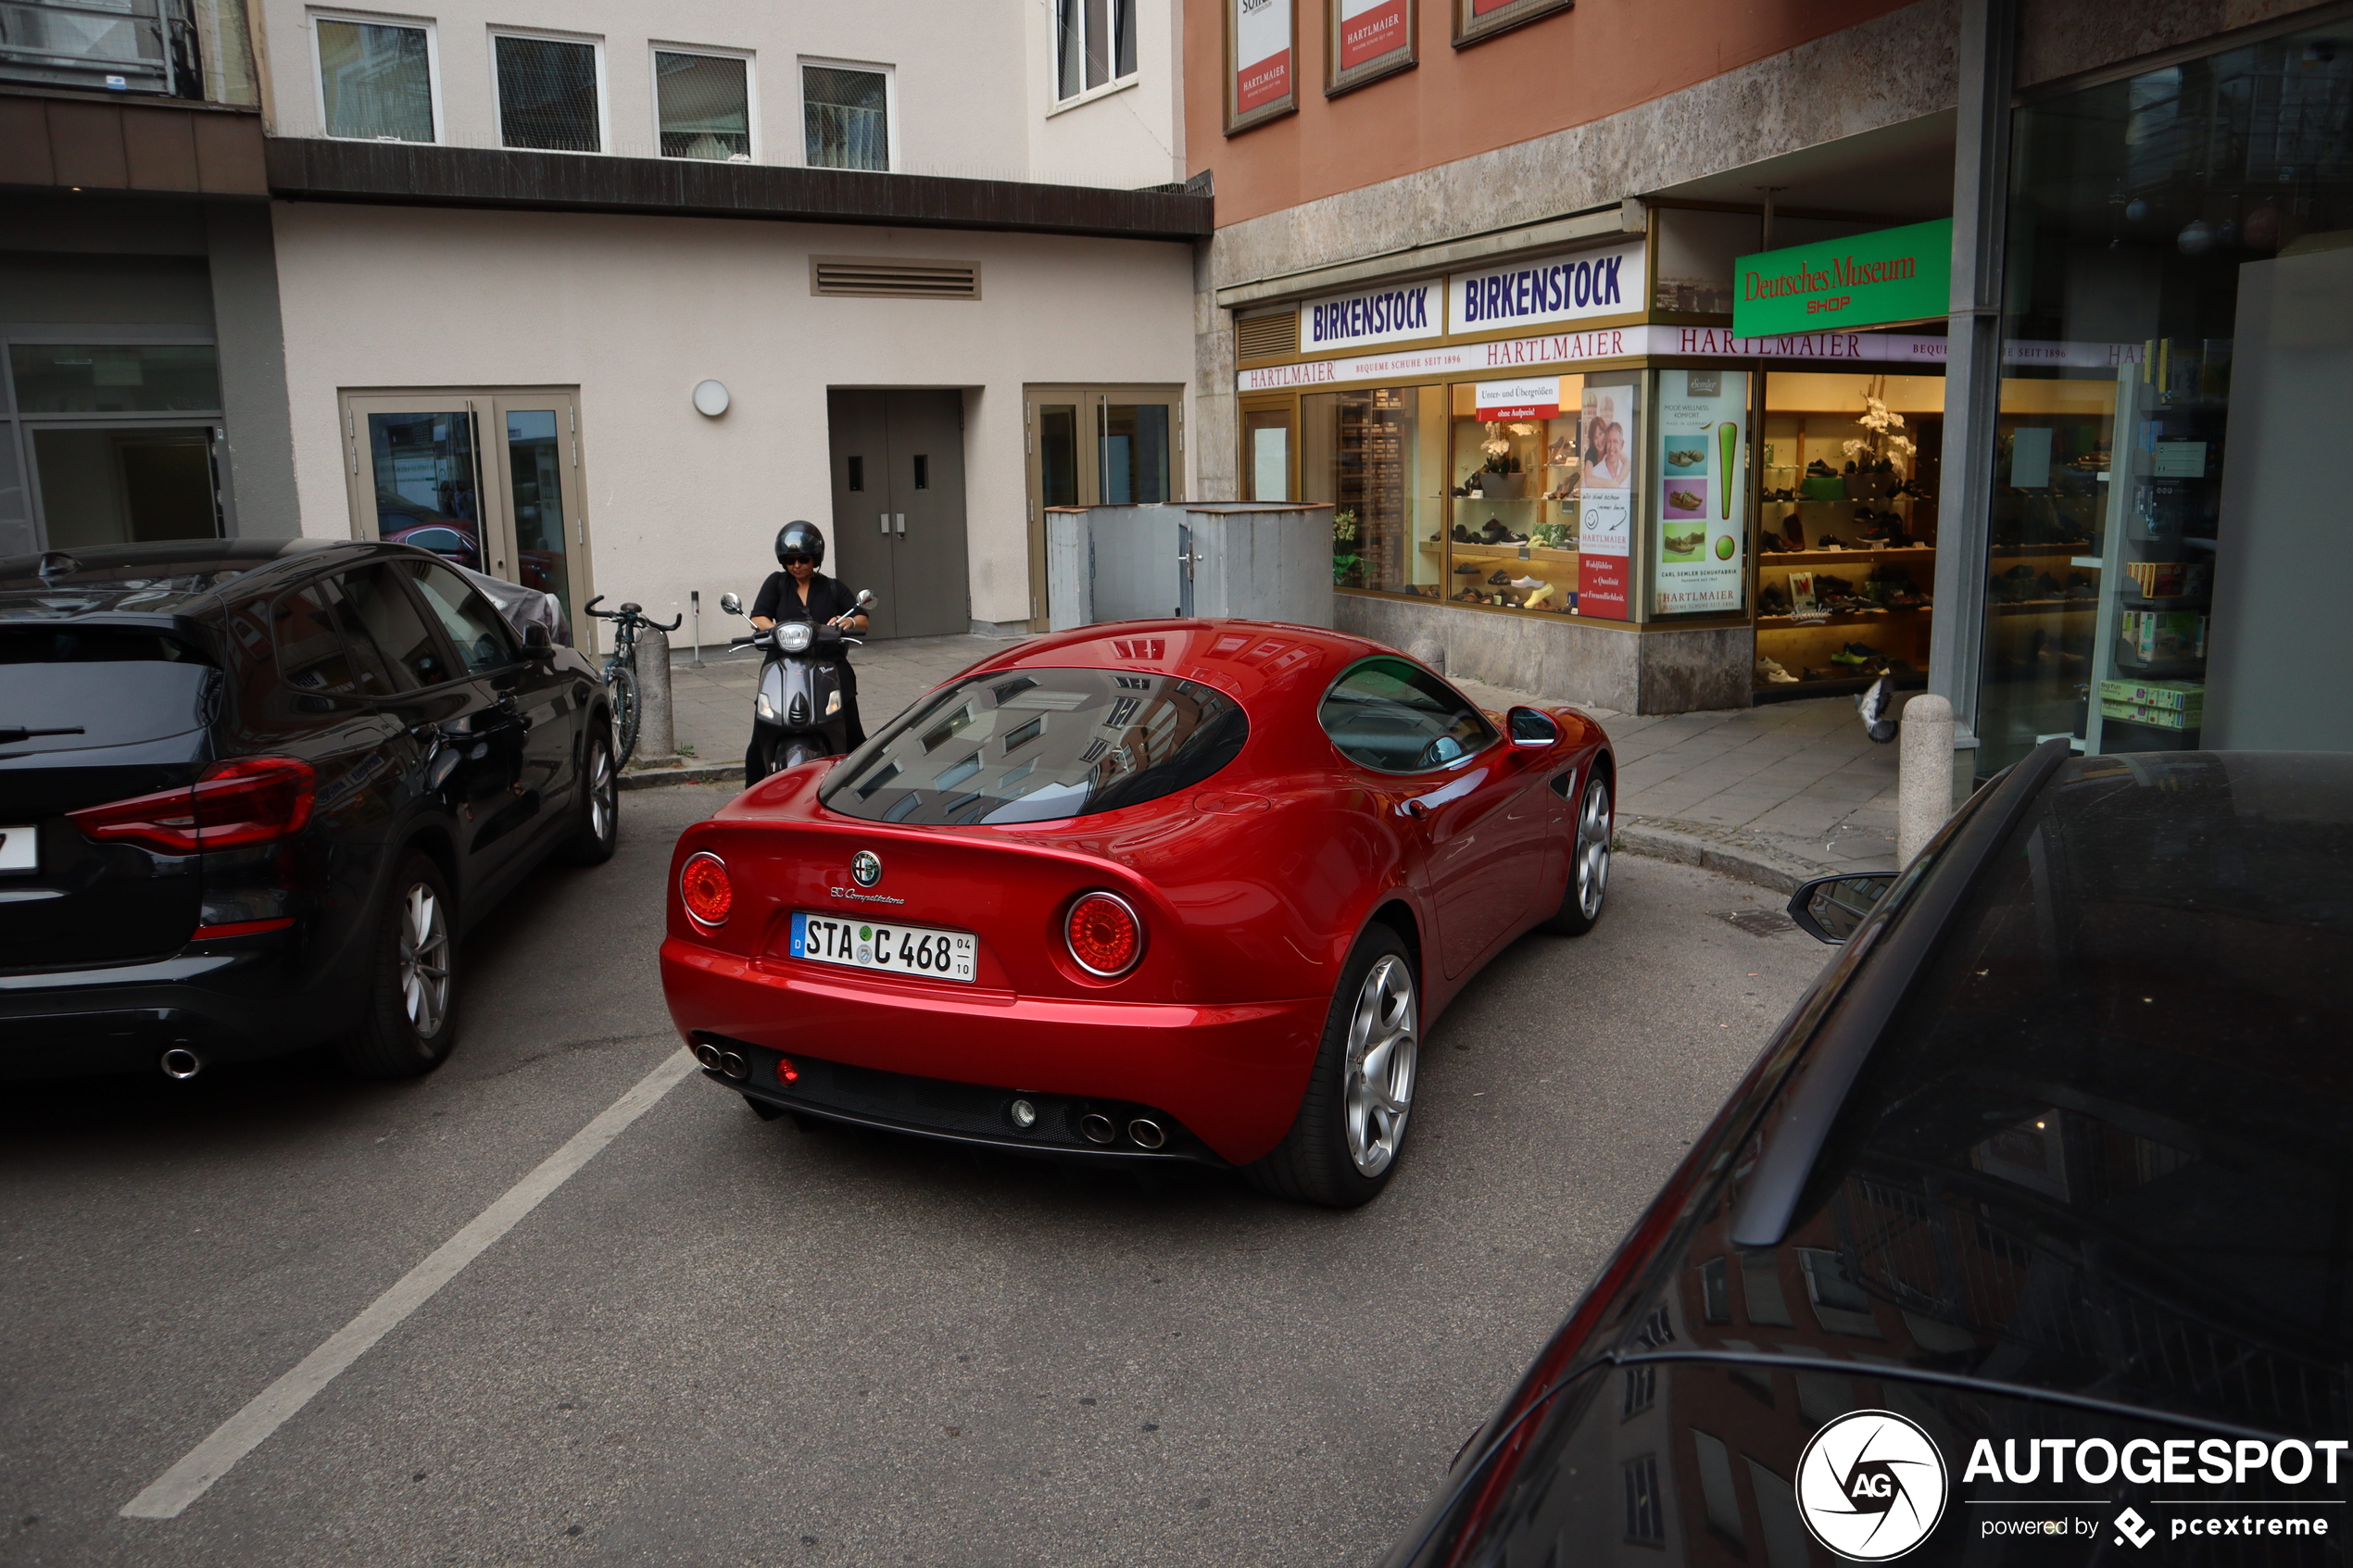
<point x="116" y="378"/>
<point x="1846" y="529"/>
<point x="125" y="486"/>
<point x="1376" y="457"/>
<point x="548" y="92"/>
<point x="1513" y="485"/>
<point x="376" y="80"/>
<point x="845" y="116"/>
<point x="703" y="105"/>
<point x="1094" y="44"/>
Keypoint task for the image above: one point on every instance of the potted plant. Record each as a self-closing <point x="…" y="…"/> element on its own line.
<point x="1872" y="458"/>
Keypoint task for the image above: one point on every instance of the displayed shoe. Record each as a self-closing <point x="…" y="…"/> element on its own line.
<point x="1525" y="583"/>
<point x="1462" y="536"/>
<point x="1772" y="599"/>
<point x="1829" y="542"/>
<point x="1499" y="578"/>
<point x="1820" y="470"/>
<point x="1466" y="569"/>
<point x="1828" y="583"/>
<point x="1854" y="655"/>
<point x="1793" y="530"/>
<point x="1773" y="674"/>
<point x="1494" y="533"/>
<point x="1771" y="544"/>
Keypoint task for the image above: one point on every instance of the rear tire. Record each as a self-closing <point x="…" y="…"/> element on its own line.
<point x="1582" y="905"/>
<point x="593" y="841"/>
<point x="1351" y="1129"/>
<point x="621" y="682"/>
<point x="408" y="1025"/>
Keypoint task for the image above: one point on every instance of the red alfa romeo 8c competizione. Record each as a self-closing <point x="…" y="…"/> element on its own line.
<point x="1179" y="890"/>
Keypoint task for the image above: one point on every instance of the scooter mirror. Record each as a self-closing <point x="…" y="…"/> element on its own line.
<point x="865" y="597"/>
<point x="731" y="603"/>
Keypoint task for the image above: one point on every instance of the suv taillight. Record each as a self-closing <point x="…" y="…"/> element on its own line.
<point x="246" y="800"/>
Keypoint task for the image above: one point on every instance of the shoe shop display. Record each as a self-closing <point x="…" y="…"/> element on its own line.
<point x="1462" y="536"/>
<point x="1773" y="674"/>
<point x="1499" y="578"/>
<point x="1466" y="569"/>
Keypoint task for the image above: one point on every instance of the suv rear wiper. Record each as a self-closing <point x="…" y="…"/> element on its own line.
<point x="9" y="736"/>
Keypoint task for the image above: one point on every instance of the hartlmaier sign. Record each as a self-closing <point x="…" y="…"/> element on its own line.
<point x="1864" y="281"/>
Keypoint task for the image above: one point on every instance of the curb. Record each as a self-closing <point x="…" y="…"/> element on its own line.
<point x="696" y="773"/>
<point x="1725" y="854"/>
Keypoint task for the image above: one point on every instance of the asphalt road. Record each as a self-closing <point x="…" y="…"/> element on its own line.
<point x="726" y="1342"/>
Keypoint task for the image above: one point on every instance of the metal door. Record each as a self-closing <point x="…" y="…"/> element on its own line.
<point x="861" y="536"/>
<point x="898" y="460"/>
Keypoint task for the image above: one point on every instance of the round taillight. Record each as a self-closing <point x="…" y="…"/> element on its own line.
<point x="704" y="887"/>
<point x="1104" y="935"/>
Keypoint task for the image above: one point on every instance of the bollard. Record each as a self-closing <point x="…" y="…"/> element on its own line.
<point x="1924" y="776"/>
<point x="657" y="727"/>
<point x="1430" y="651"/>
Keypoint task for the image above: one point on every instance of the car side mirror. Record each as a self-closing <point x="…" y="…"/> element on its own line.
<point x="537" y="646"/>
<point x="1828" y="909"/>
<point x="731" y="603"/>
<point x="1530" y="727"/>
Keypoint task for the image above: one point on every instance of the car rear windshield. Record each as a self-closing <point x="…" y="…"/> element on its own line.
<point x="1040" y="744"/>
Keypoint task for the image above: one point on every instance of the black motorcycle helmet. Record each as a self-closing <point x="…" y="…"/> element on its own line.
<point x="799" y="538"/>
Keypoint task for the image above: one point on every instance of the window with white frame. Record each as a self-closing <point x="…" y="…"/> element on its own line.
<point x="1094" y="44"/>
<point x="702" y="106"/>
<point x="550" y="94"/>
<point x="376" y="79"/>
<point x="846" y="116"/>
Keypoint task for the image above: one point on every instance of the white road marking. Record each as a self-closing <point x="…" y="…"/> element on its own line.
<point x="270" y="1409"/>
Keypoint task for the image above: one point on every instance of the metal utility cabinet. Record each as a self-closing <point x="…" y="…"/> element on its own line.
<point x="1252" y="560"/>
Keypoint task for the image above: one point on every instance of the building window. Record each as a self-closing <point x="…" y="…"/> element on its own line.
<point x="1645" y="1519"/>
<point x="1715" y="1293"/>
<point x="548" y="94"/>
<point x="704" y="106"/>
<point x="1642" y="1389"/>
<point x="375" y="81"/>
<point x="846" y="116"/>
<point x="1094" y="42"/>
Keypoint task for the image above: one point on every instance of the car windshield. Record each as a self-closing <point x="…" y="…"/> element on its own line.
<point x="1039" y="745"/>
<point x="2107" y="1143"/>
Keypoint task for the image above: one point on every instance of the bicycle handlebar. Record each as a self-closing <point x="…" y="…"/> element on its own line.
<point x="629" y="615"/>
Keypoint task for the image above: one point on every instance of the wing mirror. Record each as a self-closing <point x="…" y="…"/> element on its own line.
<point x="731" y="603"/>
<point x="537" y="646"/>
<point x="1531" y="727"/>
<point x="1828" y="909"/>
<point x="865" y="597"/>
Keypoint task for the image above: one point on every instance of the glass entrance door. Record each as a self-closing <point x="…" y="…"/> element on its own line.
<point x="488" y="479"/>
<point x="1098" y="446"/>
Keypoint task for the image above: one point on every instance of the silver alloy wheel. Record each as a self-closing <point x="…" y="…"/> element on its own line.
<point x="602" y="788"/>
<point x="424" y="960"/>
<point x="1378" y="1069"/>
<point x="1592" y="850"/>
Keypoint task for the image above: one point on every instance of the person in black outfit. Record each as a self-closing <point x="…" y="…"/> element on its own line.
<point x="800" y="592"/>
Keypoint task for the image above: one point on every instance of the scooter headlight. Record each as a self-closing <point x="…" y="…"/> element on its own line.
<point x="765" y="709"/>
<point x="793" y="636"/>
<point x="832" y="704"/>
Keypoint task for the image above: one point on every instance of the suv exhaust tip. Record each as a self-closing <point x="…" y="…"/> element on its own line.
<point x="181" y="1063"/>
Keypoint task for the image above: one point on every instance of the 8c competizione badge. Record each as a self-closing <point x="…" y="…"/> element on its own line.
<point x="1870" y="1485"/>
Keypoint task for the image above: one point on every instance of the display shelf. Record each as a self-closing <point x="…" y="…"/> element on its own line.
<point x="2036" y="552"/>
<point x="2048" y="607"/>
<point x="1842" y="618"/>
<point x="1831" y="557"/>
<point x="1484" y="551"/>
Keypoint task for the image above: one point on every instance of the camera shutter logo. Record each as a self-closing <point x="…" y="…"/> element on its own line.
<point x="866" y="868"/>
<point x="1872" y="1486"/>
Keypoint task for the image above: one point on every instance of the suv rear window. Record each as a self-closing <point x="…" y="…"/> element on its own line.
<point x="1036" y="745"/>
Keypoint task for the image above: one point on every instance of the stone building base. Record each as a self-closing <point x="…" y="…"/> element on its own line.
<point x="1677" y="671"/>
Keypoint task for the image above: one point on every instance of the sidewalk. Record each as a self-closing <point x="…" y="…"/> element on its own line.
<point x="1771" y="794"/>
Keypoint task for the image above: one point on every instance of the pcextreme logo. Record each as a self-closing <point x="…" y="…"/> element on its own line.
<point x="1870" y="1485"/>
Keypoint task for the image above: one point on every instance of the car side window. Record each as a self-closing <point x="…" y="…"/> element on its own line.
<point x="312" y="655"/>
<point x="1386" y="714"/>
<point x="376" y="612"/>
<point x="474" y="628"/>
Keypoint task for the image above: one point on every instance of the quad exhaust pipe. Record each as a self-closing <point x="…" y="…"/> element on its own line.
<point x="181" y="1063"/>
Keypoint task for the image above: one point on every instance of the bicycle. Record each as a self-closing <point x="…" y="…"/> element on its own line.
<point x="620" y="670"/>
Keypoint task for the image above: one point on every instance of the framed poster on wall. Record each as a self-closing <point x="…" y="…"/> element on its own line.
<point x="1366" y="40"/>
<point x="1610" y="426"/>
<point x="1702" y="492"/>
<point x="1262" y="52"/>
<point x="1477" y="20"/>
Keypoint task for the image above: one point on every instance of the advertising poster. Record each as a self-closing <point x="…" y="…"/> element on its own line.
<point x="1261" y="56"/>
<point x="1531" y="398"/>
<point x="1702" y="490"/>
<point x="1612" y="434"/>
<point x="1371" y="30"/>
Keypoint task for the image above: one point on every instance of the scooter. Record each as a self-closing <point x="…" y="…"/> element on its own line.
<point x="797" y="715"/>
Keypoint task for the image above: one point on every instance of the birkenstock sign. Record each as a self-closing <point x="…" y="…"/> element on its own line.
<point x="1863" y="281"/>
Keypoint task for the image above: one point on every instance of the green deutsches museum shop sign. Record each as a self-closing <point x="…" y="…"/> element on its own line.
<point x="1864" y="281"/>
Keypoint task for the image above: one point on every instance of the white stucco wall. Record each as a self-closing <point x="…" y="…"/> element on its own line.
<point x="634" y="311"/>
<point x="972" y="80"/>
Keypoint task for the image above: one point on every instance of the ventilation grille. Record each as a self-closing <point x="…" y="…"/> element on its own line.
<point x="894" y="279"/>
<point x="1261" y="337"/>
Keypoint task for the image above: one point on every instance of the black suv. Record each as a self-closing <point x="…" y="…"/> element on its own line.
<point x="253" y="793"/>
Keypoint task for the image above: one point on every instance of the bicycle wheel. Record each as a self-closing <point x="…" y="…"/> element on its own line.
<point x="621" y="682"/>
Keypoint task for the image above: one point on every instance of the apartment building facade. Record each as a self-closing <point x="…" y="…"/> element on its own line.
<point x="596" y="297"/>
<point x="1689" y="356"/>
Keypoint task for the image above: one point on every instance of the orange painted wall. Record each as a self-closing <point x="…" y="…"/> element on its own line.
<point x="1569" y="68"/>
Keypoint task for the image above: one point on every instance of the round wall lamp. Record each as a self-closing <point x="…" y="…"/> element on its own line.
<point x="710" y="398"/>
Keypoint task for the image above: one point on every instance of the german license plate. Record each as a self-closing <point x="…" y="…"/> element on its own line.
<point x="889" y="949"/>
<point x="19" y="849"/>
